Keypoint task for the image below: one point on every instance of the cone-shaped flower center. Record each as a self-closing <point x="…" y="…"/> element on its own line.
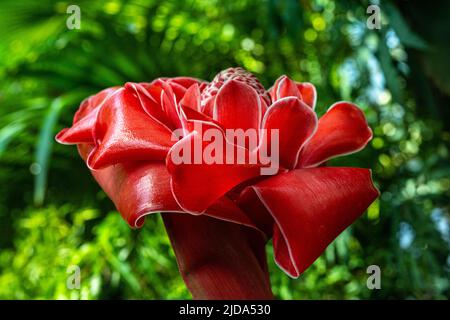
<point x="237" y="74"/>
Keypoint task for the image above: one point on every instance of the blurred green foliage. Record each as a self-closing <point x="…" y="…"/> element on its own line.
<point x="53" y="215"/>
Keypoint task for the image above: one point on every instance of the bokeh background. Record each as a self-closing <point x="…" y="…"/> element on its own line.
<point x="53" y="215"/>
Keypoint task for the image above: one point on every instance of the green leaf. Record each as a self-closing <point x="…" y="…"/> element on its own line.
<point x="45" y="142"/>
<point x="390" y="72"/>
<point x="7" y="133"/>
<point x="43" y="150"/>
<point x="402" y="29"/>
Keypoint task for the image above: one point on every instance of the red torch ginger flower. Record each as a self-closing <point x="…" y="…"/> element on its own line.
<point x="126" y="136"/>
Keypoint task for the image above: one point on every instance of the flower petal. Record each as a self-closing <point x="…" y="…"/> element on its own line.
<point x="191" y="98"/>
<point x="178" y="89"/>
<point x="148" y="102"/>
<point x="136" y="189"/>
<point x="342" y="130"/>
<point x="308" y="92"/>
<point x="226" y="210"/>
<point x="287" y="88"/>
<point x="84" y="119"/>
<point x="186" y="82"/>
<point x="311" y="207"/>
<point x="125" y="132"/>
<point x="237" y="106"/>
<point x="141" y="188"/>
<point x="169" y="102"/>
<point x="93" y="102"/>
<point x="273" y="90"/>
<point x="296" y="123"/>
<point x="249" y="202"/>
<point x="284" y="87"/>
<point x="80" y="132"/>
<point x="197" y="181"/>
<point x="167" y="93"/>
<point x="189" y="117"/>
<point x="208" y="106"/>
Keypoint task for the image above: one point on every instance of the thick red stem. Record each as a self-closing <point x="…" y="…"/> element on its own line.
<point x="218" y="259"/>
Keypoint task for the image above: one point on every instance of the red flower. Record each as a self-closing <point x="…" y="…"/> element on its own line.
<point x="125" y="135"/>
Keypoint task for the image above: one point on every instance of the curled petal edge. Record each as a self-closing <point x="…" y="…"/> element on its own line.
<point x="300" y="161"/>
<point x="294" y="256"/>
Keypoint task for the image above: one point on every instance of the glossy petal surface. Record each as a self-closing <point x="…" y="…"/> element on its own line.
<point x="342" y="130"/>
<point x="284" y="115"/>
<point x="311" y="207"/>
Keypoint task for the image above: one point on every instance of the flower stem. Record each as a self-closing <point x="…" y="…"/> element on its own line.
<point x="219" y="259"/>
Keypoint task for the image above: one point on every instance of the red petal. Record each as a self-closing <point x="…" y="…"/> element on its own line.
<point x="273" y="90"/>
<point x="311" y="207"/>
<point x="124" y="132"/>
<point x="208" y="107"/>
<point x="308" y="92"/>
<point x="169" y="103"/>
<point x="284" y="87"/>
<point x="342" y="130"/>
<point x="154" y="89"/>
<point x="136" y="189"/>
<point x="186" y="82"/>
<point x="80" y="132"/>
<point x="189" y="117"/>
<point x="168" y="92"/>
<point x="264" y="106"/>
<point x="139" y="189"/>
<point x="84" y="119"/>
<point x="249" y="202"/>
<point x="226" y="210"/>
<point x="191" y="98"/>
<point x="198" y="186"/>
<point x="150" y="105"/>
<point x="287" y="88"/>
<point x="177" y="89"/>
<point x="237" y="105"/>
<point x="93" y="102"/>
<point x="296" y="123"/>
